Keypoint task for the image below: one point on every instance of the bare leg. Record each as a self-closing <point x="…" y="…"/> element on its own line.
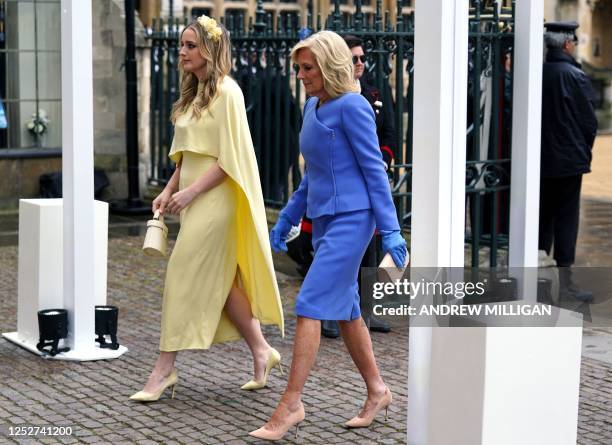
<point x="305" y="347"/>
<point x="238" y="309"/>
<point x="163" y="368"/>
<point x="359" y="344"/>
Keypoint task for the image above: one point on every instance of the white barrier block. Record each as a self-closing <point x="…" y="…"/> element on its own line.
<point x="40" y="272"/>
<point x="504" y="385"/>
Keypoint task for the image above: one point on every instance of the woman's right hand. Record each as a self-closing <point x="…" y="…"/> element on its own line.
<point x="161" y="201"/>
<point x="278" y="234"/>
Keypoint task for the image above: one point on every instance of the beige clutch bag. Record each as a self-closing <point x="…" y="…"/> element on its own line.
<point x="393" y="272"/>
<point x="156" y="239"/>
<point x="387" y="261"/>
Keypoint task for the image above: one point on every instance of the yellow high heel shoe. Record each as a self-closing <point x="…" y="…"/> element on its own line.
<point x="294" y="418"/>
<point x="274" y="359"/>
<point x="364" y="422"/>
<point x="171" y="380"/>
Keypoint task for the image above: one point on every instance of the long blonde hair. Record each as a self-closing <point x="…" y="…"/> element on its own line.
<point x="218" y="56"/>
<point x="335" y="61"/>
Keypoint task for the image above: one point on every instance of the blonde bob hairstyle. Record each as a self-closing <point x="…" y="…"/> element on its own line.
<point x="218" y="56"/>
<point x="335" y="61"/>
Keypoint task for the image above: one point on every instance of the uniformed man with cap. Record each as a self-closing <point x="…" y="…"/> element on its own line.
<point x="569" y="126"/>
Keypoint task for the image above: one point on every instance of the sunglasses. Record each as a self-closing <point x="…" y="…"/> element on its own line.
<point x="356" y="58"/>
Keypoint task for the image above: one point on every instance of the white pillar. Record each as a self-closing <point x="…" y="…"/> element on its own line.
<point x="77" y="166"/>
<point x="78" y="190"/>
<point x="526" y="133"/>
<point x="41" y="258"/>
<point x="438" y="183"/>
<point x="438" y="204"/>
<point x="551" y="356"/>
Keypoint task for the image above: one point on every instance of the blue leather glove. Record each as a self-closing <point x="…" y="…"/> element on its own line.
<point x="278" y="234"/>
<point x="394" y="244"/>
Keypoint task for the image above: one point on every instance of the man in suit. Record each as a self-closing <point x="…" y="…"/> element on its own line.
<point x="569" y="127"/>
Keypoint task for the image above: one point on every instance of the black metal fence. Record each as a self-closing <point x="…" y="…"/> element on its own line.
<point x="274" y="101"/>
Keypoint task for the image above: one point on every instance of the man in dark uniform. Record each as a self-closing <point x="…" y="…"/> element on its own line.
<point x="569" y="126"/>
<point x="383" y="110"/>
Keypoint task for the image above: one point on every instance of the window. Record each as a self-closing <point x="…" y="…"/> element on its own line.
<point x="30" y="74"/>
<point x="197" y="12"/>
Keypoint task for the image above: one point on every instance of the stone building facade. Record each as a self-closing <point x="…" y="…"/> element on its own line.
<point x="28" y="66"/>
<point x="594" y="16"/>
<point x="280" y="8"/>
<point x="30" y="80"/>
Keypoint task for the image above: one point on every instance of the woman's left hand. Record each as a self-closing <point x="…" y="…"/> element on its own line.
<point x="180" y="200"/>
<point x="394" y="244"/>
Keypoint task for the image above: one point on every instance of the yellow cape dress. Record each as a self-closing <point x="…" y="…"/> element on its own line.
<point x="224" y="233"/>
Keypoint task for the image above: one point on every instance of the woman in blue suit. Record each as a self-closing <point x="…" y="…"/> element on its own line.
<point x="346" y="193"/>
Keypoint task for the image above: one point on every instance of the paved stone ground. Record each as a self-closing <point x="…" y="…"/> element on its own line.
<point x="209" y="408"/>
<point x="594" y="247"/>
<point x="598" y="183"/>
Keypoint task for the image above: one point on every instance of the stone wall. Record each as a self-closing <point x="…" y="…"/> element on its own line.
<point x="110" y="94"/>
<point x="19" y="176"/>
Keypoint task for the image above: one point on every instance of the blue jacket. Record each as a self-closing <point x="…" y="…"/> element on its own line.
<point x="344" y="167"/>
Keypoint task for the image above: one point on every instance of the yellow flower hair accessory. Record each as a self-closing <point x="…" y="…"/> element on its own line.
<point x="213" y="32"/>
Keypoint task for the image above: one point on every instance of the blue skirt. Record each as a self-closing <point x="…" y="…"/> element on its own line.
<point x="330" y="290"/>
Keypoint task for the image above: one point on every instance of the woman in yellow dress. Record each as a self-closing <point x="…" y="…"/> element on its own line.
<point x="220" y="283"/>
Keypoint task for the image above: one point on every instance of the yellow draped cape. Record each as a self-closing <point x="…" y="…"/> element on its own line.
<point x="223" y="131"/>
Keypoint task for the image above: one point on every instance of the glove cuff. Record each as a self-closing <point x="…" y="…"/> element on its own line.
<point x="388" y="232"/>
<point x="283" y="215"/>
